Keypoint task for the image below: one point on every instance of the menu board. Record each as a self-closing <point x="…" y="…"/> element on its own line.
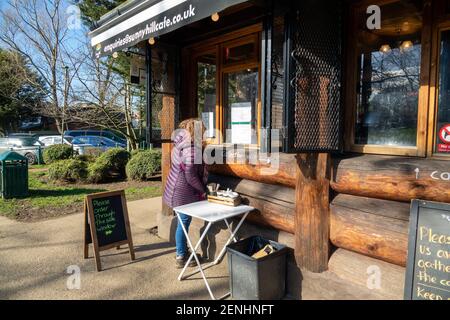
<point x="106" y="223"/>
<point x="428" y="268"/>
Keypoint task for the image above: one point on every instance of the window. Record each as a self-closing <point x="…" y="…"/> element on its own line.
<point x="241" y="99"/>
<point x="227" y="86"/>
<point x="240" y="51"/>
<point x="207" y="91"/>
<point x="277" y="81"/>
<point x="442" y="132"/>
<point x="386" y="103"/>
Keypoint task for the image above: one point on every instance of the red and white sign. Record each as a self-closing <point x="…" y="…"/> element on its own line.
<point x="444" y="136"/>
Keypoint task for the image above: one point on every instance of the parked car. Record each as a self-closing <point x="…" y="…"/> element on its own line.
<point x="29" y="147"/>
<point x="52" y="140"/>
<point x="100" y="133"/>
<point x="22" y="135"/>
<point x="98" y="142"/>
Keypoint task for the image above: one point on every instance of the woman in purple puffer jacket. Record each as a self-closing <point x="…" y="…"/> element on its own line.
<point x="186" y="181"/>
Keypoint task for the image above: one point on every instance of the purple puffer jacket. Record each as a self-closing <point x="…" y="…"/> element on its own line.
<point x="186" y="181"/>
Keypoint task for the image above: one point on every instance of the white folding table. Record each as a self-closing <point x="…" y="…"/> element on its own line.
<point x="211" y="213"/>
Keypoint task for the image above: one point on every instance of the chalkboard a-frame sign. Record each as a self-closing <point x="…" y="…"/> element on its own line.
<point x="106" y="224"/>
<point x="428" y="267"/>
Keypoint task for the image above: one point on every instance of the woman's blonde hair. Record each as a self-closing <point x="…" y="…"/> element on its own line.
<point x="190" y="125"/>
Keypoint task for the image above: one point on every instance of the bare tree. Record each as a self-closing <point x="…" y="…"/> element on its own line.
<point x="37" y="29"/>
<point x="103" y="94"/>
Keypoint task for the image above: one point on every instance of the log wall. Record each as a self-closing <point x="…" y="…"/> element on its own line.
<point x="275" y="205"/>
<point x="370" y="213"/>
<point x="392" y="178"/>
<point x="382" y="177"/>
<point x="281" y="170"/>
<point x="373" y="227"/>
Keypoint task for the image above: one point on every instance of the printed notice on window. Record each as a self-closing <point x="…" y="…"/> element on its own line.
<point x="241" y="125"/>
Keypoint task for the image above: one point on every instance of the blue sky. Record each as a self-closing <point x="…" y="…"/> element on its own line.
<point x="75" y="35"/>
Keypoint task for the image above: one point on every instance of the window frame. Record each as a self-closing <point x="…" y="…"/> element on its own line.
<point x="352" y="76"/>
<point x="238" y="37"/>
<point x="438" y="28"/>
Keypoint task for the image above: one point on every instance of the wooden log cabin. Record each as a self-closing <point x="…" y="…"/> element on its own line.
<point x="345" y="103"/>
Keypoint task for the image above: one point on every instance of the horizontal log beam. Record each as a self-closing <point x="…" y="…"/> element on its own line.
<point x="271" y="214"/>
<point x="274" y="204"/>
<point x="392" y="178"/>
<point x="278" y="172"/>
<point x="373" y="227"/>
<point x="364" y="271"/>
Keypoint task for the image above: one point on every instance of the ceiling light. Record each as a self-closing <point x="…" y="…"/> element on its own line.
<point x="151" y="41"/>
<point x="406" y="44"/>
<point x="385" y="48"/>
<point x="215" y="17"/>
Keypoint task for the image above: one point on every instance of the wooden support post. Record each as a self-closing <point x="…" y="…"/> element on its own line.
<point x="168" y="124"/>
<point x="312" y="216"/>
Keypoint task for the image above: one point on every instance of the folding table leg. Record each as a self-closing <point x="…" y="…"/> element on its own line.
<point x="194" y="254"/>
<point x="233" y="234"/>
<point x="229" y="228"/>
<point x="222" y="252"/>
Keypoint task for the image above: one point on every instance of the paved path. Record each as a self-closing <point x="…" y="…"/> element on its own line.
<point x="34" y="258"/>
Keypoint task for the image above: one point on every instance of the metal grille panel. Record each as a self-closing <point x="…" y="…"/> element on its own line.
<point x="316" y="82"/>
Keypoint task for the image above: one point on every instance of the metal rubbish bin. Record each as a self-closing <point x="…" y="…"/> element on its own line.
<point x="256" y="279"/>
<point x="13" y="175"/>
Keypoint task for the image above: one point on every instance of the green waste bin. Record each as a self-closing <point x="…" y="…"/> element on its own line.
<point x="13" y="175"/>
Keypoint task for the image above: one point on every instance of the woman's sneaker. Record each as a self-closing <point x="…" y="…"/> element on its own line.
<point x="180" y="262"/>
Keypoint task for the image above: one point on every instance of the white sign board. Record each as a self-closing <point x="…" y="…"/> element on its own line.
<point x="241" y="126"/>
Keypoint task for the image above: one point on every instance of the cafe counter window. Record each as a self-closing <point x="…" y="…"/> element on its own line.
<point x="385" y="104"/>
<point x="397" y="96"/>
<point x="227" y="85"/>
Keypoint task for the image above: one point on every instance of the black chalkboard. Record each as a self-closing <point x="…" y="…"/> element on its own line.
<point x="108" y="219"/>
<point x="428" y="268"/>
<point x="106" y="223"/>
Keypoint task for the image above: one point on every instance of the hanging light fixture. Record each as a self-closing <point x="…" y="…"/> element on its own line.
<point x="406" y="45"/>
<point x="151" y="41"/>
<point x="115" y="55"/>
<point x="385" y="48"/>
<point x="215" y="17"/>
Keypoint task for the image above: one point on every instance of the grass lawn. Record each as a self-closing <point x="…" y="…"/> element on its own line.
<point x="48" y="199"/>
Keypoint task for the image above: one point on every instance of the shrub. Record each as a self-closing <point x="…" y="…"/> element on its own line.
<point x="71" y="170"/>
<point x="85" y="157"/>
<point x="108" y="165"/>
<point x="93" y="152"/>
<point x="98" y="171"/>
<point x="134" y="152"/>
<point x="57" y="152"/>
<point x="144" y="165"/>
